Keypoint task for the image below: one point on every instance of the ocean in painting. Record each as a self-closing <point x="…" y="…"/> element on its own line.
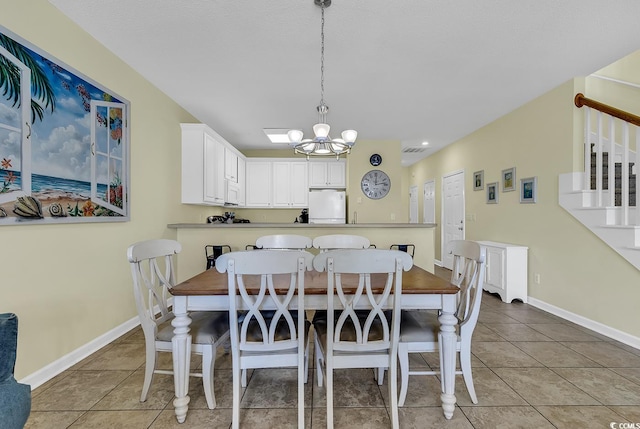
<point x="41" y="183"/>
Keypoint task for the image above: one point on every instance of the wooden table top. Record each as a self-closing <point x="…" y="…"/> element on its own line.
<point x="414" y="281"/>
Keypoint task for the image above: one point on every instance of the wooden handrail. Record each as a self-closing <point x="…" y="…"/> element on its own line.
<point x="580" y="100"/>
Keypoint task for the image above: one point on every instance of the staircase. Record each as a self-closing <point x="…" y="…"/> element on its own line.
<point x="617" y="179"/>
<point x="602" y="221"/>
<point x="613" y="218"/>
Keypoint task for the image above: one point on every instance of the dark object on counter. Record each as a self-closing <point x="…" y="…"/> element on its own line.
<point x="304" y="217"/>
<point x="215" y="219"/>
<point x="409" y="248"/>
<point x="235" y="220"/>
<point x="213" y="251"/>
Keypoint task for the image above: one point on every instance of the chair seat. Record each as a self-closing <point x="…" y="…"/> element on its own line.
<point x="206" y="327"/>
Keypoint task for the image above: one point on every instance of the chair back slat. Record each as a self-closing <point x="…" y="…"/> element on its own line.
<point x="468" y="274"/>
<point x="362" y="324"/>
<point x="284" y="241"/>
<point x="340" y="241"/>
<point x="267" y="320"/>
<point x="152" y="268"/>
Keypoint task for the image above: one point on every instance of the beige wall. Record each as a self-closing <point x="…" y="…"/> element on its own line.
<point x="70" y="284"/>
<point x="578" y="272"/>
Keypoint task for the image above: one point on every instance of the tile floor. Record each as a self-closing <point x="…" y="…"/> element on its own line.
<point x="531" y="370"/>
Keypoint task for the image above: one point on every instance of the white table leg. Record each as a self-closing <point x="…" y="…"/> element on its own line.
<point x="447" y="339"/>
<point x="181" y="356"/>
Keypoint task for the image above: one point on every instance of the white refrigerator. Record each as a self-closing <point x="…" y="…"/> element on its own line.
<point x="327" y="206"/>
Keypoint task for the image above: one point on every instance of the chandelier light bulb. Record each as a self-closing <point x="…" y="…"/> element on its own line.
<point x="349" y="136"/>
<point x="321" y="130"/>
<point x="295" y="136"/>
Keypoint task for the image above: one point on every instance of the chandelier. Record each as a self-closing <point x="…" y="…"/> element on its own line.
<point x="322" y="144"/>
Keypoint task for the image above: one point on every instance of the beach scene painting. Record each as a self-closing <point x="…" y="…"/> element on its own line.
<point x="63" y="142"/>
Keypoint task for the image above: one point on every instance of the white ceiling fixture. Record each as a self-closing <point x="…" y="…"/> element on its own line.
<point x="322" y="144"/>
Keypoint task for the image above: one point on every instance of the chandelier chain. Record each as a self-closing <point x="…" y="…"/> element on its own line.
<point x="322" y="57"/>
<point x="322" y="144"/>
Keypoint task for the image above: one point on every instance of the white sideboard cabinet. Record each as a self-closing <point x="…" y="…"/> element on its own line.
<point x="506" y="270"/>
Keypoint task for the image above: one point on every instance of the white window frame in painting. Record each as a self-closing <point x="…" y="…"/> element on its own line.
<point x="24" y="130"/>
<point x="110" y="156"/>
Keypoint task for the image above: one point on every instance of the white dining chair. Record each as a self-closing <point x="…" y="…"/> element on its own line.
<point x="350" y="338"/>
<point x="278" y="340"/>
<point x="153" y="274"/>
<point x="284" y="241"/>
<point x="419" y="330"/>
<point x="340" y="241"/>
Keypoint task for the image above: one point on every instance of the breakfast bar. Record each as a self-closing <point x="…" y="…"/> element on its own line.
<point x="194" y="236"/>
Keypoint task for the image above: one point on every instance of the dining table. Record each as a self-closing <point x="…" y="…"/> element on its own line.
<point x="208" y="291"/>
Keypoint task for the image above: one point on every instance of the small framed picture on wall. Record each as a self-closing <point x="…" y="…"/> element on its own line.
<point x="509" y="179"/>
<point x="528" y="190"/>
<point x="478" y="180"/>
<point x="492" y="193"/>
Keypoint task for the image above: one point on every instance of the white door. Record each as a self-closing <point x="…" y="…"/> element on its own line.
<point x="429" y="202"/>
<point x="452" y="214"/>
<point x="413" y="204"/>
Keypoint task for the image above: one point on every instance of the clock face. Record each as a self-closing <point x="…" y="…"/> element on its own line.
<point x="375" y="184"/>
<point x="375" y="159"/>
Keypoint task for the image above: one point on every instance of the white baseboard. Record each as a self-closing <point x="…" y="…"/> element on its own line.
<point x="45" y="374"/>
<point x="437" y="263"/>
<point x="598" y="327"/>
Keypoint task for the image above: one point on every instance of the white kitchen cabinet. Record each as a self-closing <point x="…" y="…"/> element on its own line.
<point x="290" y="184"/>
<point x="327" y="174"/>
<point x="230" y="165"/>
<point x="202" y="165"/>
<point x="258" y="183"/>
<point x="242" y="181"/>
<point x="506" y="270"/>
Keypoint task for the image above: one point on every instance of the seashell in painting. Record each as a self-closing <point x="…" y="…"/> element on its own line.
<point x="56" y="210"/>
<point x="3" y="212"/>
<point x="28" y="207"/>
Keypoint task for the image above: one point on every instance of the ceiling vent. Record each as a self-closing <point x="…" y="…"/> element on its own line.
<point x="414" y="149"/>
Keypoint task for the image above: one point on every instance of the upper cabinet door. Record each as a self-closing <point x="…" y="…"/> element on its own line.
<point x="213" y="167"/>
<point x="258" y="183"/>
<point x="230" y="165"/>
<point x="336" y="174"/>
<point x="290" y="186"/>
<point x="327" y="174"/>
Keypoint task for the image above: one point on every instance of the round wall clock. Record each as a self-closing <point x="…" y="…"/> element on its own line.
<point x="375" y="184"/>
<point x="375" y="159"/>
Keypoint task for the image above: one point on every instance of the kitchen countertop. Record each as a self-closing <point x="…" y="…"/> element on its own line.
<point x="301" y="225"/>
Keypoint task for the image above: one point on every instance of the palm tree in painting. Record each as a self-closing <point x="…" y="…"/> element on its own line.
<point x="42" y="96"/>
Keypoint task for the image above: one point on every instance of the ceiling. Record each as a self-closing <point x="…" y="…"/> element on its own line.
<point x="411" y="70"/>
